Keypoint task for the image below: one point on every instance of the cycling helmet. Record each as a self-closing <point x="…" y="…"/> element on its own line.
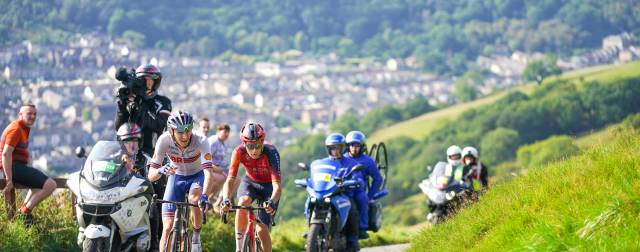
<point x="334" y="139"/>
<point x="180" y="121"/>
<point x="128" y="132"/>
<point x="356" y="137"/>
<point x="252" y="133"/>
<point x="150" y="71"/>
<point x="452" y="151"/>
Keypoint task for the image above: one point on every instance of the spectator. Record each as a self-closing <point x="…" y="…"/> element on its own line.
<point x="15" y="165"/>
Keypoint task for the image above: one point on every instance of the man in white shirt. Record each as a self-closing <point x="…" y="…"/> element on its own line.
<point x="219" y="154"/>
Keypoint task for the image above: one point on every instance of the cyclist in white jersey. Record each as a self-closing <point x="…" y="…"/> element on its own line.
<point x="189" y="155"/>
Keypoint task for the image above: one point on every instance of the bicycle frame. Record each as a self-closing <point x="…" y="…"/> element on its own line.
<point x="251" y="234"/>
<point x="180" y="240"/>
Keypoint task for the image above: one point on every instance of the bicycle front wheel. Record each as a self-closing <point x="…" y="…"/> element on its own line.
<point x="173" y="242"/>
<point x="247" y="245"/>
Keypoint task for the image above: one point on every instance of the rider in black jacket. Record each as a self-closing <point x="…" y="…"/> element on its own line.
<point x="150" y="111"/>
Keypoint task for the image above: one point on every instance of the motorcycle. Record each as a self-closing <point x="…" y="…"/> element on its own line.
<point x="112" y="208"/>
<point x="444" y="194"/>
<point x="327" y="208"/>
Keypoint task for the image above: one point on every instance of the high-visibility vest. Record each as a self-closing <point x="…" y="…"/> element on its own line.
<point x="457" y="173"/>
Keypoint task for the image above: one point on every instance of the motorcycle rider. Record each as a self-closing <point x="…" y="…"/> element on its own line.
<point x="335" y="144"/>
<point x="189" y="155"/>
<point x="356" y="145"/>
<point x="129" y="136"/>
<point x="477" y="171"/>
<point x="452" y="171"/>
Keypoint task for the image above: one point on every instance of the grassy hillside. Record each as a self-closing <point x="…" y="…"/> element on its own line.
<point x="420" y="127"/>
<point x="587" y="202"/>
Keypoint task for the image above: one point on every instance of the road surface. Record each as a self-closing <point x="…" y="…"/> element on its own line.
<point x="390" y="248"/>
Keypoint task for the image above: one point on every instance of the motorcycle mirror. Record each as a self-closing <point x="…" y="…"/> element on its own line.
<point x="303" y="166"/>
<point x="80" y="152"/>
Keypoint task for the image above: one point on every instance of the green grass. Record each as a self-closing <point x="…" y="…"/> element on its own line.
<point x="421" y="126"/>
<point x="587" y="202"/>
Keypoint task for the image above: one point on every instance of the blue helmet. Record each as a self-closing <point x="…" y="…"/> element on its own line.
<point x="356" y="137"/>
<point x="335" y="139"/>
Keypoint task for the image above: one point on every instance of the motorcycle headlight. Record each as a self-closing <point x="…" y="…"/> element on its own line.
<point x="312" y="199"/>
<point x="327" y="200"/>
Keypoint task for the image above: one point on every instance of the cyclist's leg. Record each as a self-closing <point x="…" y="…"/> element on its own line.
<point x="246" y="193"/>
<point x="196" y="187"/>
<point x="173" y="190"/>
<point x="264" y="219"/>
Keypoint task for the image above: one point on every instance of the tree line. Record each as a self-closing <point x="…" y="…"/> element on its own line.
<point x="443" y="35"/>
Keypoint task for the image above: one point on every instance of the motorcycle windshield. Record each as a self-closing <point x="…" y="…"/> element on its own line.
<point x="104" y="166"/>
<point x="322" y="174"/>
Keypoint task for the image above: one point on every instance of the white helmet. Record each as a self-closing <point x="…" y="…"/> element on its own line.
<point x="469" y="150"/>
<point x="454" y="150"/>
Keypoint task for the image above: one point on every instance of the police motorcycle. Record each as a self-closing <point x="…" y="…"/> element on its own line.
<point x="327" y="208"/>
<point x="112" y="204"/>
<point x="444" y="193"/>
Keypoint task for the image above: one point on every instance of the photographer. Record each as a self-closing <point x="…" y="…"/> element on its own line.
<point x="139" y="103"/>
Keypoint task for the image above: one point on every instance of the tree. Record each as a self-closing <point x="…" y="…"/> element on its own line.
<point x="499" y="145"/>
<point x="466" y="87"/>
<point x="538" y="70"/>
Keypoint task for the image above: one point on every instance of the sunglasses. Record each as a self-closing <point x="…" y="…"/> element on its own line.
<point x="455" y="157"/>
<point x="252" y="146"/>
<point x="183" y="128"/>
<point x="355" y="145"/>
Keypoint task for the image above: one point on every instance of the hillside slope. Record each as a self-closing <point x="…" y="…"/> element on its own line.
<point x="586" y="202"/>
<point x="421" y="126"/>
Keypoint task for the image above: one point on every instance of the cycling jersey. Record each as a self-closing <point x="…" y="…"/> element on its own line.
<point x="194" y="158"/>
<point x="262" y="170"/>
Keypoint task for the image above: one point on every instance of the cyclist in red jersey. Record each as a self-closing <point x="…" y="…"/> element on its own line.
<point x="262" y="165"/>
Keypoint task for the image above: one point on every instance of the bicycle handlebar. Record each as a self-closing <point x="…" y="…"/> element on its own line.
<point x="223" y="216"/>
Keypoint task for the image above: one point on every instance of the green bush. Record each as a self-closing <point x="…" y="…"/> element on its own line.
<point x="546" y="151"/>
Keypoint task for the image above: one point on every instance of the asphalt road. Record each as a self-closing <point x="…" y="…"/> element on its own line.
<point x="390" y="248"/>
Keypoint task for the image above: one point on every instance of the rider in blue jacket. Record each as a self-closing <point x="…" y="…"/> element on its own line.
<point x="355" y="142"/>
<point x="335" y="147"/>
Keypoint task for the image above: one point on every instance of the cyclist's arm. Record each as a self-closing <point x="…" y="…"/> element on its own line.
<point x="274" y="160"/>
<point x="156" y="161"/>
<point x="231" y="178"/>
<point x="205" y="163"/>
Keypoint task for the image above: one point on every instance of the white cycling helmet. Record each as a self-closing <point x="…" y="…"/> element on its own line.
<point x="452" y="151"/>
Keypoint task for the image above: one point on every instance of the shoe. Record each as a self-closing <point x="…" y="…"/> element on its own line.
<point x="362" y="234"/>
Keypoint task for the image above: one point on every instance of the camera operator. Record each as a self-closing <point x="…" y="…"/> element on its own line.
<point x="139" y="103"/>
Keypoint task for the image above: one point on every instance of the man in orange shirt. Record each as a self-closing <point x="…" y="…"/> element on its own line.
<point x="15" y="159"/>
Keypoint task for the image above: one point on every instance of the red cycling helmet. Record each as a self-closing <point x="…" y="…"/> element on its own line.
<point x="252" y="133"/>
